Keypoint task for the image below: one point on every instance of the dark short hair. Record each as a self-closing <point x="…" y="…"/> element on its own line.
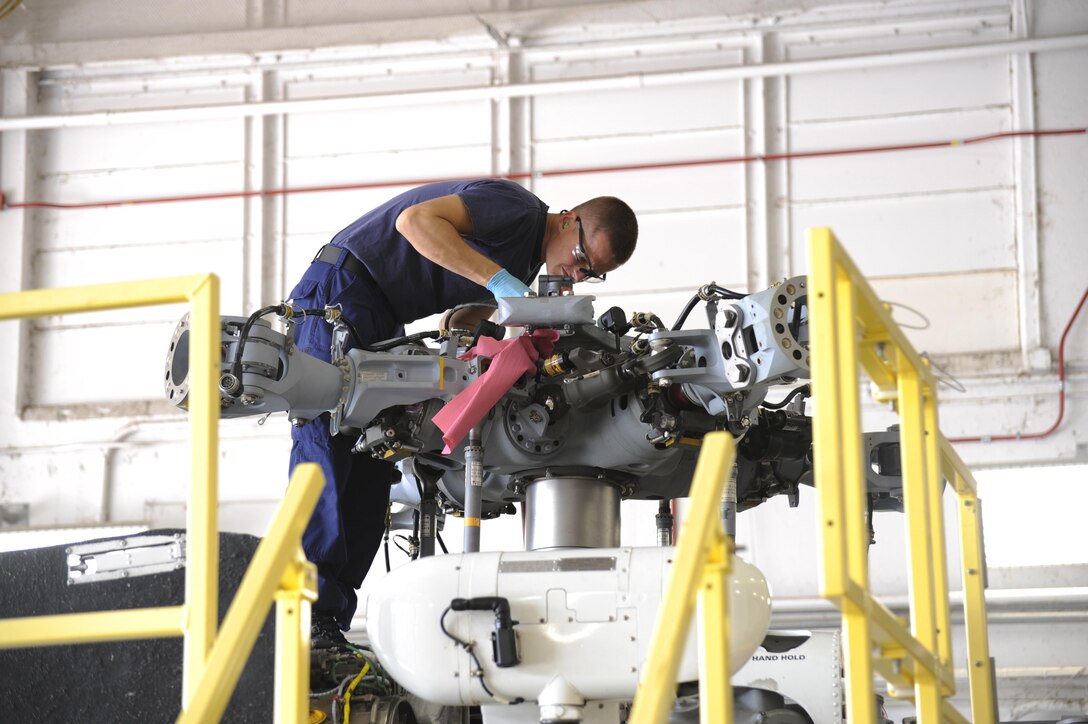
<point x="616" y="219"/>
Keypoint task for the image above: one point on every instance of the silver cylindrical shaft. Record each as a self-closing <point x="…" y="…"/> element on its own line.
<point x="474" y="487"/>
<point x="572" y="512"/>
<point x="665" y="521"/>
<point x="729" y="504"/>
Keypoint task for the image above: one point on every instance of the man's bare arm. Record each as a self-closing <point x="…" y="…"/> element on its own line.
<point x="434" y="229"/>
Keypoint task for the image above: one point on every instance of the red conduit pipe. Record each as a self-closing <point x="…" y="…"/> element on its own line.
<point x="1061" y="392"/>
<point x="541" y="174"/>
<point x="637" y="167"/>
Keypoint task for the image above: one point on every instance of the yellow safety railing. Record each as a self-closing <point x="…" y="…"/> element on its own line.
<point x="848" y="326"/>
<point x="704" y="559"/>
<point x="212" y="664"/>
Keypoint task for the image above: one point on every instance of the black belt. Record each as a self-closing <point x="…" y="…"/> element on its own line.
<point x="332" y="254"/>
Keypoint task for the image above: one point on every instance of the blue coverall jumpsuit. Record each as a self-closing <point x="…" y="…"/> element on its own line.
<point x="396" y="286"/>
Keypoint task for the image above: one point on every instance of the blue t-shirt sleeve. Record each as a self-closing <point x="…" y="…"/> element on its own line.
<point x="501" y="212"/>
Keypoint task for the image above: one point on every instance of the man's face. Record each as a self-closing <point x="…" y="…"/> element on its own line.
<point x="580" y="253"/>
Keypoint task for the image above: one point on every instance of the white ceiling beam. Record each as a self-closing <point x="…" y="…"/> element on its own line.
<point x="629" y="80"/>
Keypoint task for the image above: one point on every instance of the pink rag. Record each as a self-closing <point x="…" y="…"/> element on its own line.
<point x="510" y="359"/>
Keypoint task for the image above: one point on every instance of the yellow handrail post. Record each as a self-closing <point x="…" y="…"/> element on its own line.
<point x="919" y="537"/>
<point x="716" y="690"/>
<point x="979" y="666"/>
<point x="277" y="550"/>
<point x="202" y="554"/>
<point x="934" y="489"/>
<point x="840" y="484"/>
<point x="298" y="590"/>
<point x="700" y="534"/>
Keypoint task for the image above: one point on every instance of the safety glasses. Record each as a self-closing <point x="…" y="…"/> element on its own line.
<point x="582" y="259"/>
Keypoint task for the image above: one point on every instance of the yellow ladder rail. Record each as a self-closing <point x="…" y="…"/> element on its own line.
<point x="279" y="571"/>
<point x="850" y="328"/>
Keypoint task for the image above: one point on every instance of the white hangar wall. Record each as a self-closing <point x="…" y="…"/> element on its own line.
<point x="981" y="243"/>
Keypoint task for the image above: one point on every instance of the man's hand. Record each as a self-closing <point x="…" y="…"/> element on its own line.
<point x="505" y="284"/>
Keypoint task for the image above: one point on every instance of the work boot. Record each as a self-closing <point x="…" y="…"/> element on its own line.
<point x="325" y="633"/>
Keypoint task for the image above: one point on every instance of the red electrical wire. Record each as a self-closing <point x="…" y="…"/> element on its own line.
<point x="540" y="174"/>
<point x="633" y="167"/>
<point x="1061" y="392"/>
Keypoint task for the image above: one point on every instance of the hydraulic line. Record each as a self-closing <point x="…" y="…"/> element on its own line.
<point x="233" y="385"/>
<point x="805" y="390"/>
<point x="398" y="341"/>
<point x="706" y="293"/>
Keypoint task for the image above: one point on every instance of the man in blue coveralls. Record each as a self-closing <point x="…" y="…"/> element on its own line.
<point x="425" y="251"/>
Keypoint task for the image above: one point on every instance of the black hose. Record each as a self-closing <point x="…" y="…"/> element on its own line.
<point x="684" y="314"/>
<point x="708" y="289"/>
<point x="321" y="313"/>
<point x="478" y="672"/>
<point x="805" y="390"/>
<point x="397" y="341"/>
<point x="353" y="330"/>
<point x="243" y="336"/>
<point x="725" y="293"/>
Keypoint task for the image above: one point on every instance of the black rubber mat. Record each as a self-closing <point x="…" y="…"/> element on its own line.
<point x="128" y="681"/>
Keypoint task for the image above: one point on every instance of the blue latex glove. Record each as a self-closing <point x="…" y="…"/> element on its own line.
<point x="505" y="284"/>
